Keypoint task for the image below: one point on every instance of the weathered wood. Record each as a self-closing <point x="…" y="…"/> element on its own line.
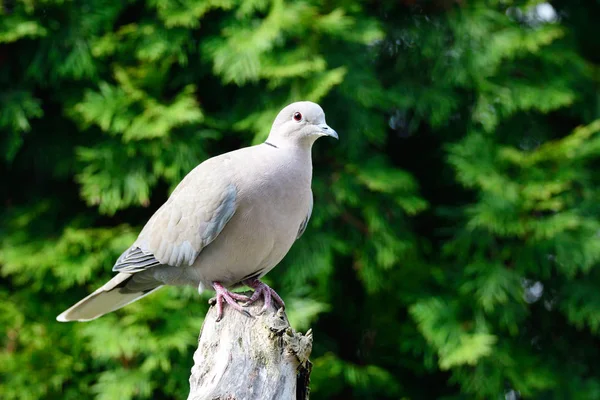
<point x="244" y="358"/>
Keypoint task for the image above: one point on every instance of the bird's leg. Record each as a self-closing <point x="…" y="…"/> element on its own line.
<point x="224" y="295"/>
<point x="262" y="289"/>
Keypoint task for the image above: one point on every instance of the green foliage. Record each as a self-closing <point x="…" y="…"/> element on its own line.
<point x="454" y="248"/>
<point x="457" y="342"/>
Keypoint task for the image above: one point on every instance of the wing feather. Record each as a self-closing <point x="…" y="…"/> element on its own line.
<point x="194" y="215"/>
<point x="304" y="223"/>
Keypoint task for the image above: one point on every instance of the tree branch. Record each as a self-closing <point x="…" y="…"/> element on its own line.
<point x="250" y="358"/>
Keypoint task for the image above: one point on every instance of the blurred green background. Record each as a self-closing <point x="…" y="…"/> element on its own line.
<point x="454" y="249"/>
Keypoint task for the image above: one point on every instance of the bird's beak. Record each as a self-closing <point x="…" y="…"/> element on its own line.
<point x="327" y="131"/>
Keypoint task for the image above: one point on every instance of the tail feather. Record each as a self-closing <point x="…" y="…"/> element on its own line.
<point x="116" y="293"/>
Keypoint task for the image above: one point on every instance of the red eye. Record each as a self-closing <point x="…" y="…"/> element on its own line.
<point x="297" y="117"/>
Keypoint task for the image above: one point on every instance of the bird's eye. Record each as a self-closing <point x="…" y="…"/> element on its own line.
<point x="297" y="117"/>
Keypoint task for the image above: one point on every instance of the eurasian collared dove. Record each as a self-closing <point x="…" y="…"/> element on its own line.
<point x="229" y="222"/>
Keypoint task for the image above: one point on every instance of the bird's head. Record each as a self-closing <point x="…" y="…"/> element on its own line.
<point x="302" y="122"/>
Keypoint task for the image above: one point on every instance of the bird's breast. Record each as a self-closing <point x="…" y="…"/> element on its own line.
<point x="269" y="213"/>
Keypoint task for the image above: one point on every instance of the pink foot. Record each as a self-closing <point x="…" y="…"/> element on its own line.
<point x="262" y="289"/>
<point x="224" y="295"/>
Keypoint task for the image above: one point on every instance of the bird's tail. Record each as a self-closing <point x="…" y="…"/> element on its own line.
<point x="116" y="293"/>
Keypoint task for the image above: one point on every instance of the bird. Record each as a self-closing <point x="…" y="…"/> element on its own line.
<point x="229" y="222"/>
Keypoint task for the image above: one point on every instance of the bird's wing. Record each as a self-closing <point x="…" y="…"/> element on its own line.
<point x="304" y="223"/>
<point x="192" y="217"/>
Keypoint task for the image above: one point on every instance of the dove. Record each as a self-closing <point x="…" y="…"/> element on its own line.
<point x="230" y="221"/>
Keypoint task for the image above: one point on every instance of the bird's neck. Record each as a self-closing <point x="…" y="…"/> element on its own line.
<point x="297" y="147"/>
<point x="293" y="154"/>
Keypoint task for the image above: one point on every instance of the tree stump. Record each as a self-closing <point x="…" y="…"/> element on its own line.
<point x="247" y="358"/>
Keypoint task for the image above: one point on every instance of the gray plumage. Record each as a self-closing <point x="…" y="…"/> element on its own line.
<point x="233" y="217"/>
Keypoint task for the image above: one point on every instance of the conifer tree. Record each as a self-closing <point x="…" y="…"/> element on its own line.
<point x="454" y="248"/>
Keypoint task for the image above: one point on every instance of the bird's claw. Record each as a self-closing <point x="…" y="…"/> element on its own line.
<point x="231" y="298"/>
<point x="263" y="289"/>
<point x="260" y="289"/>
